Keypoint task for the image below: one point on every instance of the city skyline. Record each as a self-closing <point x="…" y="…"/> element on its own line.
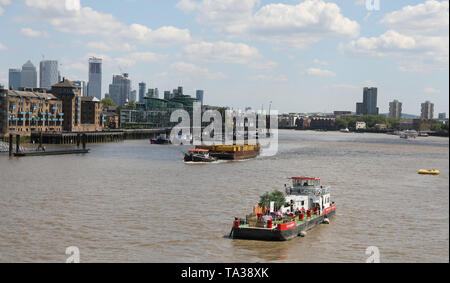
<point x="232" y="55"/>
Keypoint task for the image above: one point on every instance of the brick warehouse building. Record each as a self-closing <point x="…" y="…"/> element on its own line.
<point x="61" y="110"/>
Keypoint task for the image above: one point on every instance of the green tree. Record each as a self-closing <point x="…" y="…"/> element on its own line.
<point x="107" y="102"/>
<point x="277" y="197"/>
<point x="130" y="104"/>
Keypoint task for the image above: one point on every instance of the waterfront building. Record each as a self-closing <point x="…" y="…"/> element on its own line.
<point x="73" y="103"/>
<point x="92" y="113"/>
<point x="48" y="73"/>
<point x="323" y="123"/>
<point x="199" y="95"/>
<point x="369" y="104"/>
<point x="395" y="109"/>
<point x="24" y="112"/>
<point x="15" y="79"/>
<point x="442" y="116"/>
<point x="120" y="89"/>
<point x="28" y="75"/>
<point x="95" y="77"/>
<point x="339" y="114"/>
<point x="142" y="89"/>
<point x="155" y="112"/>
<point x="427" y="111"/>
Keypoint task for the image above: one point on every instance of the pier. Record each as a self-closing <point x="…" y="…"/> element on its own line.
<point x="74" y="138"/>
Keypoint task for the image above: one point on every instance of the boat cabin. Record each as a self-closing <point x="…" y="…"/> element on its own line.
<point x="305" y="194"/>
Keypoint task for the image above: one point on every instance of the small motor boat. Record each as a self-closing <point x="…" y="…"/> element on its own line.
<point x="429" y="172"/>
<point x="160" y="140"/>
<point x="198" y="155"/>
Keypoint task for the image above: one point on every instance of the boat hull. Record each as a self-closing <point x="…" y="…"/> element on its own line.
<point x="261" y="234"/>
<point x="194" y="158"/>
<point x="237" y="155"/>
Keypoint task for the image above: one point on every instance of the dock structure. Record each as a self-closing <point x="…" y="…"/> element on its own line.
<point x="74" y="138"/>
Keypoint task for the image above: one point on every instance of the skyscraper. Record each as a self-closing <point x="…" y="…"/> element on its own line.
<point x="133" y="95"/>
<point x="167" y="95"/>
<point x="370" y="100"/>
<point x="427" y="110"/>
<point x="95" y="77"/>
<point x="395" y="109"/>
<point x="120" y="89"/>
<point x="156" y="95"/>
<point x="369" y="104"/>
<point x="199" y="95"/>
<point x="48" y="73"/>
<point x="29" y="75"/>
<point x="142" y="89"/>
<point x="151" y="93"/>
<point x="15" y="78"/>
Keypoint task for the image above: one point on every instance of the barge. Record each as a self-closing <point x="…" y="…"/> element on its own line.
<point x="307" y="204"/>
<point x="232" y="152"/>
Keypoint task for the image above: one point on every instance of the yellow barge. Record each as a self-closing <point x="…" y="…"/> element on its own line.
<point x="232" y="152"/>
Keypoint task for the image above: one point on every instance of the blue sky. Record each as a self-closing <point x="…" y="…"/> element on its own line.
<point x="304" y="56"/>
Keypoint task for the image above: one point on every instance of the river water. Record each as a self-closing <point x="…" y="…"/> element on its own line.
<point x="134" y="202"/>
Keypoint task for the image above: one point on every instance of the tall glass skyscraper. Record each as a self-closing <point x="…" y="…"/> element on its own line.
<point x="95" y="77"/>
<point x="370" y="100"/>
<point x="199" y="95"/>
<point x="395" y="109"/>
<point x="15" y="78"/>
<point x="142" y="90"/>
<point x="120" y="89"/>
<point x="48" y="73"/>
<point x="29" y="75"/>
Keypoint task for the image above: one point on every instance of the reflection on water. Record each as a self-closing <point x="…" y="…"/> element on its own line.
<point x="135" y="202"/>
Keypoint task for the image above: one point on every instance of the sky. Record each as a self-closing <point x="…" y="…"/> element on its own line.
<point x="303" y="56"/>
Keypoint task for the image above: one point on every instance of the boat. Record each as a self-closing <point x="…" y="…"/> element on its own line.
<point x="429" y="172"/>
<point x="232" y="152"/>
<point x="346" y="130"/>
<point x="423" y="134"/>
<point x="162" y="139"/>
<point x="409" y="134"/>
<point x="307" y="204"/>
<point x="198" y="155"/>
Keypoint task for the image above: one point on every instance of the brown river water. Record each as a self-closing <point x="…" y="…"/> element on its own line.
<point x="134" y="202"/>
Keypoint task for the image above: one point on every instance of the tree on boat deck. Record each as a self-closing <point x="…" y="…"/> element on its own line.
<point x="277" y="197"/>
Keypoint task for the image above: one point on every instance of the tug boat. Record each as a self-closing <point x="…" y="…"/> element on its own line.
<point x="308" y="204"/>
<point x="232" y="152"/>
<point x="198" y="155"/>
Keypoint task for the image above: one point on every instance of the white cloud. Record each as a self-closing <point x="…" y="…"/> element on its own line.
<point x="2" y="47"/>
<point x="105" y="46"/>
<point x="195" y="71"/>
<point x="33" y="33"/>
<point x="319" y="62"/>
<point x="319" y="72"/>
<point x="222" y="52"/>
<point x="86" y="21"/>
<point x="296" y="26"/>
<point x="4" y="3"/>
<point x="418" y="32"/>
<point x="269" y="78"/>
<point x="431" y="90"/>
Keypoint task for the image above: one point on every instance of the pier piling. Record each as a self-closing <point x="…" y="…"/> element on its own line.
<point x="10" y="145"/>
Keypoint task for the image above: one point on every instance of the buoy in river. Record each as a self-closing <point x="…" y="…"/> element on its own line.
<point x="326" y="221"/>
<point x="303" y="234"/>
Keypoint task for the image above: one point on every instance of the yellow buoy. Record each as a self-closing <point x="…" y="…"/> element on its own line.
<point x="429" y="172"/>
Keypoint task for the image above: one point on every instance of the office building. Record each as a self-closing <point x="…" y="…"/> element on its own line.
<point x="427" y="111"/>
<point x="133" y="95"/>
<point x="199" y="95"/>
<point x="142" y="89"/>
<point x="442" y="116"/>
<point x="15" y="79"/>
<point x="120" y="89"/>
<point x="28" y="75"/>
<point x="95" y="78"/>
<point x="48" y="73"/>
<point x="369" y="104"/>
<point x="395" y="109"/>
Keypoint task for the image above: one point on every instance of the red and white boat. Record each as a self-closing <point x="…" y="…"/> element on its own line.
<point x="307" y="205"/>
